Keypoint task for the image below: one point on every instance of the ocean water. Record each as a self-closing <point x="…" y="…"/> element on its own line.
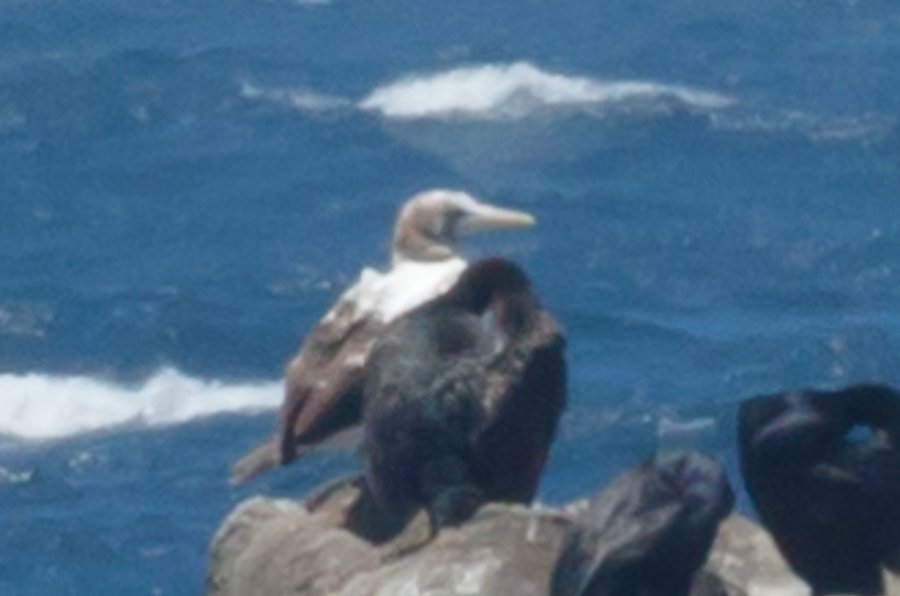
<point x="186" y="186"/>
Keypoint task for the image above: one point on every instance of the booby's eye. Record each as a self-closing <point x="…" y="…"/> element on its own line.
<point x="448" y="226"/>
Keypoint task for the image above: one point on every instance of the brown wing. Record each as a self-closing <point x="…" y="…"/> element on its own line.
<point x="323" y="385"/>
<point x="523" y="404"/>
<point x="323" y="388"/>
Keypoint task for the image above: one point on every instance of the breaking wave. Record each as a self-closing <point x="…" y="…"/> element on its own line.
<point x="511" y="91"/>
<point x="498" y="92"/>
<point x="516" y="91"/>
<point x="36" y="406"/>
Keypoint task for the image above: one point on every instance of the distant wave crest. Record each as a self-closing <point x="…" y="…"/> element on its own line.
<point x="513" y="92"/>
<point x="36" y="406"/>
<point x="518" y="90"/>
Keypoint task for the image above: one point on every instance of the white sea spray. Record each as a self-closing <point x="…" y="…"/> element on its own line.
<point x="510" y="91"/>
<point x="39" y="406"/>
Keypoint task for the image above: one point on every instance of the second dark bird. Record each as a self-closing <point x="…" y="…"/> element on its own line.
<point x="648" y="532"/>
<point x="823" y="468"/>
<point x="462" y="399"/>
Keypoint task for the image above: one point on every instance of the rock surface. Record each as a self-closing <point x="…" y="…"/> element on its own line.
<point x="269" y="547"/>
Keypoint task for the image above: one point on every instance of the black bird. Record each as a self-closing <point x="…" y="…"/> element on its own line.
<point x="647" y="533"/>
<point x="462" y="399"/>
<point x="323" y="381"/>
<point x="823" y="469"/>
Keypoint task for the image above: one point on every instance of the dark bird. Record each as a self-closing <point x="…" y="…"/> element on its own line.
<point x="823" y="469"/>
<point x="647" y="533"/>
<point x="323" y="382"/>
<point x="462" y="399"/>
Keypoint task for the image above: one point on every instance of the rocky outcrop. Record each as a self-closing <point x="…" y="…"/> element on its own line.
<point x="276" y="547"/>
<point x="269" y="547"/>
<point x="744" y="561"/>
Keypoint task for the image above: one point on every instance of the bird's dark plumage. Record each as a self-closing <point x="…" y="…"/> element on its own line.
<point x="823" y="469"/>
<point x="648" y="532"/>
<point x="462" y="398"/>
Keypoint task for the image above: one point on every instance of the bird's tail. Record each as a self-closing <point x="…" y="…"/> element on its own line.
<point x="261" y="458"/>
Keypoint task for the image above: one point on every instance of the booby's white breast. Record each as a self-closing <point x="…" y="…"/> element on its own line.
<point x="407" y="285"/>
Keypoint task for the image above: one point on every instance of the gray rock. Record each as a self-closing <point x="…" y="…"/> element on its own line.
<point x="277" y="547"/>
<point x="269" y="547"/>
<point x="502" y="550"/>
<point x="744" y="561"/>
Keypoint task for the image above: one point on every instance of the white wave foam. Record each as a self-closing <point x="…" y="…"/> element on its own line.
<point x="37" y="406"/>
<point x="817" y="127"/>
<point x="519" y="89"/>
<point x="301" y="99"/>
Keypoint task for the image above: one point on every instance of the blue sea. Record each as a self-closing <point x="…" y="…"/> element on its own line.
<point x="186" y="186"/>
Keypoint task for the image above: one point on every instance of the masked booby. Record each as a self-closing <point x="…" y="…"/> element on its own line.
<point x="323" y="381"/>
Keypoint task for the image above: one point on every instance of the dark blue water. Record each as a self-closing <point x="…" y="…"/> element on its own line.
<point x="186" y="186"/>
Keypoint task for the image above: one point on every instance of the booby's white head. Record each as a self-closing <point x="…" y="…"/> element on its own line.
<point x="431" y="223"/>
